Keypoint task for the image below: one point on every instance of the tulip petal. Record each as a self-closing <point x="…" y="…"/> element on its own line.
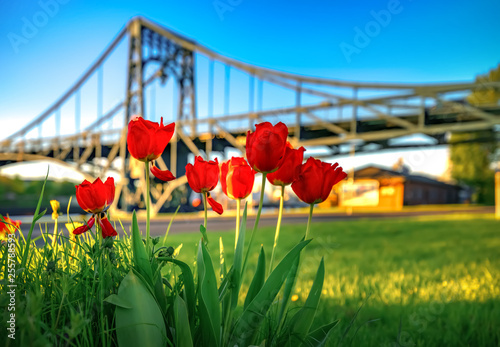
<point x="265" y="147"/>
<point x="192" y="178"/>
<point x="164" y="175"/>
<point x="86" y="227"/>
<point x="203" y="176"/>
<point x="162" y="137"/>
<point x="109" y="186"/>
<point x="86" y="199"/>
<point x="139" y="138"/>
<point x="316" y="180"/>
<point x="215" y="205"/>
<point x="106" y="227"/>
<point x="289" y="169"/>
<point x="99" y="194"/>
<point x="223" y="176"/>
<point x="79" y="197"/>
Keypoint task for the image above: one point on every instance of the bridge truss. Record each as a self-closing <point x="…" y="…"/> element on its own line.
<point x="319" y="112"/>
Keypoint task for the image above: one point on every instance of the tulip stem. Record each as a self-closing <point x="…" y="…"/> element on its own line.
<point x="205" y="202"/>
<point x="147" y="204"/>
<point x="100" y="271"/>
<point x="257" y="218"/>
<point x="237" y="234"/>
<point x="311" y="207"/>
<point x="278" y="226"/>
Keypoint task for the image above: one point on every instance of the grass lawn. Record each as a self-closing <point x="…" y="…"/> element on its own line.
<point x="431" y="281"/>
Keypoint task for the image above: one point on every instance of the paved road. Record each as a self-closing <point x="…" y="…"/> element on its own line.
<point x="189" y="223"/>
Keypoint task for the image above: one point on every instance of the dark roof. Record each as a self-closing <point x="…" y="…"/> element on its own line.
<point x="376" y="172"/>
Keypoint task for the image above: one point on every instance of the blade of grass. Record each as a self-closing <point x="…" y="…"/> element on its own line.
<point x="252" y="317"/>
<point x="258" y="279"/>
<point x="36" y="217"/>
<point x="209" y="308"/>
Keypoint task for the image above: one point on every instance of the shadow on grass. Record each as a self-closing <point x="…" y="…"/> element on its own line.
<point x="455" y="323"/>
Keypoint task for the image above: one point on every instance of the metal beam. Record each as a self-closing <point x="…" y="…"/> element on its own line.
<point x="385" y="134"/>
<point x="329" y="126"/>
<point x="230" y="138"/>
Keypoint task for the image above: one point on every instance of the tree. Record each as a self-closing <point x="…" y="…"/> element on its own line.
<point x="471" y="155"/>
<point x="485" y="93"/>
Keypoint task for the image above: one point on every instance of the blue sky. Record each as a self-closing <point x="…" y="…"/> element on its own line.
<point x="422" y="41"/>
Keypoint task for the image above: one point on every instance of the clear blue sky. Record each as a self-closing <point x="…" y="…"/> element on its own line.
<point x="425" y="41"/>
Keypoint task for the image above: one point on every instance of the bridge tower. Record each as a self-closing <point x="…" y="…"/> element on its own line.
<point x="147" y="46"/>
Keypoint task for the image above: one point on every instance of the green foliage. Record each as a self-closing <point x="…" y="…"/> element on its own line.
<point x="258" y="279"/>
<point x="471" y="162"/>
<point x="139" y="321"/>
<point x="17" y="193"/>
<point x="248" y="324"/>
<point x="141" y="258"/>
<point x="208" y="297"/>
<point x="429" y="276"/>
<point x="439" y="276"/>
<point x="301" y="322"/>
<point x="484" y="94"/>
<point x="182" y="331"/>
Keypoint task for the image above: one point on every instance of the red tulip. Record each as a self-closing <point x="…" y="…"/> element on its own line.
<point x="316" y="180"/>
<point x="203" y="176"/>
<point x="236" y="178"/>
<point x="8" y="227"/>
<point x="163" y="175"/>
<point x="147" y="140"/>
<point x="266" y="146"/>
<point x="95" y="197"/>
<point x="290" y="169"/>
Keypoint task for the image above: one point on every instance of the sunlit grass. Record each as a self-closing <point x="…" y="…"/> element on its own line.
<point x="429" y="274"/>
<point x="427" y="281"/>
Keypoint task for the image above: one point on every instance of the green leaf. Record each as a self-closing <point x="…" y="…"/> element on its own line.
<point x="225" y="300"/>
<point x="319" y="337"/>
<point x="141" y="258"/>
<point x="159" y="293"/>
<point x="169" y="225"/>
<point x="209" y="308"/>
<point x="222" y="261"/>
<point x="225" y="284"/>
<point x="203" y="232"/>
<point x="142" y="324"/>
<point x="303" y="319"/>
<point x="36" y="217"/>
<point x="258" y="278"/>
<point x="118" y="301"/>
<point x="289" y="284"/>
<point x="252" y="317"/>
<point x="182" y="331"/>
<point x="187" y="277"/>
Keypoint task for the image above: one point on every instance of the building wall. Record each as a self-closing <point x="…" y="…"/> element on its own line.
<point x="391" y="195"/>
<point x="421" y="193"/>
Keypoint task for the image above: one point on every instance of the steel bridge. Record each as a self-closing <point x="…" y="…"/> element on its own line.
<point x="319" y="112"/>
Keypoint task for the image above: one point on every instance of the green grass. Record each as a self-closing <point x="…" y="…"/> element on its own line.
<point x="430" y="281"/>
